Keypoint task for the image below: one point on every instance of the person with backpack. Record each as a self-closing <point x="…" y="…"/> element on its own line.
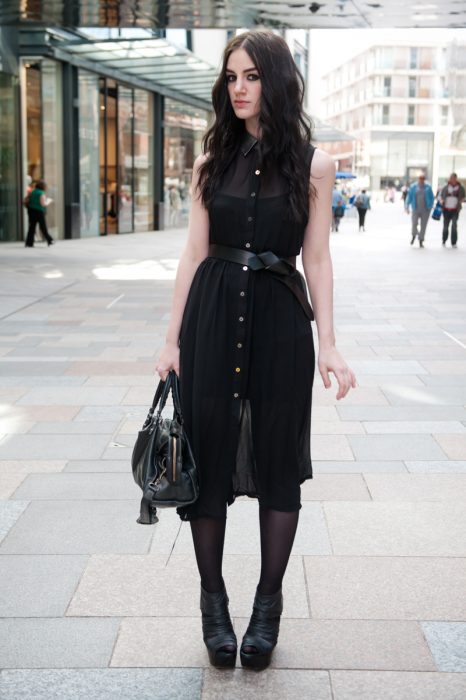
<point x="451" y="198"/>
<point x="362" y="204"/>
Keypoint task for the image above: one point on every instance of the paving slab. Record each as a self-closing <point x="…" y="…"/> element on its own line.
<point x="76" y="486"/>
<point x="10" y="512"/>
<point x="53" y="446"/>
<point x="447" y="642"/>
<point x="57" y="642"/>
<point x="73" y="396"/>
<point x="397" y="528"/>
<point x="417" y="487"/>
<point x="358" y="466"/>
<point x="29" y="466"/>
<point x="75" y="428"/>
<point x="271" y="683"/>
<point x="335" y="487"/>
<point x="401" y="447"/>
<point x="453" y="445"/>
<point x="414" y="427"/>
<point x="144" y="585"/>
<point x="402" y="413"/>
<point x="332" y="447"/>
<point x="102" y="684"/>
<point x="397" y="685"/>
<point x="77" y="527"/>
<point x="9" y="483"/>
<point x="38" y="585"/>
<point x="432" y="395"/>
<point x="436" y="466"/>
<point x="98" y="465"/>
<point x="386" y="588"/>
<point x="363" y="644"/>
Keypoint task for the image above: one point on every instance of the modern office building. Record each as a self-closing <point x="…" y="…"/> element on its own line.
<point x="404" y="102"/>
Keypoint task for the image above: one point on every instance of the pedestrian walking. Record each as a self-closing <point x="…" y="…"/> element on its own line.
<point x="240" y="335"/>
<point x="451" y="197"/>
<point x="420" y="200"/>
<point x="37" y="203"/>
<point x="338" y="208"/>
<point x="362" y="204"/>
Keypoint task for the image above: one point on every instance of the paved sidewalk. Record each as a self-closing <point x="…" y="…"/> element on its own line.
<point x="94" y="605"/>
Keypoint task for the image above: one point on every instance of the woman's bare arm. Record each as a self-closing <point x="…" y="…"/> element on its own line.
<point x="195" y="251"/>
<point x="318" y="269"/>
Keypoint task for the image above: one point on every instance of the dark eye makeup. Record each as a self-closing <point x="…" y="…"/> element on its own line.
<point x="251" y="76"/>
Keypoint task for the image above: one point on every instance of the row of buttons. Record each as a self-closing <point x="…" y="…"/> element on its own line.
<point x="239" y="343"/>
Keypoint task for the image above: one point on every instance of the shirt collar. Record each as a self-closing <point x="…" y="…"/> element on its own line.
<point x="248" y="142"/>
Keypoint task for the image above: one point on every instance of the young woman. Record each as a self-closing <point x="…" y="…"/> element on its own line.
<point x="240" y="336"/>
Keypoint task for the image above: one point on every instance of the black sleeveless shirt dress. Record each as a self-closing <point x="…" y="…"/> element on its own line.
<point x="247" y="352"/>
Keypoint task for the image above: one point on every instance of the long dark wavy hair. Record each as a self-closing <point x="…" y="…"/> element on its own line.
<point x="284" y="127"/>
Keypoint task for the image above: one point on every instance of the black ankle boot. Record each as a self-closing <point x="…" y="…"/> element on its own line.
<point x="217" y="629"/>
<point x="262" y="631"/>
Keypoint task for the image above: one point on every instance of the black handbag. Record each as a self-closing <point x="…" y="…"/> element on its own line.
<point x="162" y="460"/>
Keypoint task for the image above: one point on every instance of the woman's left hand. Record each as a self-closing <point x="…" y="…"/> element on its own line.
<point x="330" y="360"/>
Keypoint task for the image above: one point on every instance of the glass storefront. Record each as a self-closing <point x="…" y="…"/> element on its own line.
<point x="10" y="197"/>
<point x="42" y="135"/>
<point x="126" y="168"/>
<point x="89" y="162"/>
<point x="184" y="129"/>
<point x="143" y="172"/>
<point x="115" y="186"/>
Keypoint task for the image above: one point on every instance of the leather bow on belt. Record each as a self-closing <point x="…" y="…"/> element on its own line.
<point x="281" y="268"/>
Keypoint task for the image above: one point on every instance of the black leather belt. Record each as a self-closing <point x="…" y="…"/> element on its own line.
<point x="281" y="268"/>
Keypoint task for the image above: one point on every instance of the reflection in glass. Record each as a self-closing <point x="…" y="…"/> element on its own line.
<point x="10" y="198"/>
<point x="33" y="121"/>
<point x="89" y="153"/>
<point x="52" y="144"/>
<point x="125" y="159"/>
<point x="184" y="129"/>
<point x="108" y="157"/>
<point x="143" y="187"/>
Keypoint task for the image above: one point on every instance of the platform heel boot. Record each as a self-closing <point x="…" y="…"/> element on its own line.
<point x="217" y="629"/>
<point x="262" y="631"/>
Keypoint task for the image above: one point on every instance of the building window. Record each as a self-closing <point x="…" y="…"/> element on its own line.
<point x="444" y="115"/>
<point x="387" y="86"/>
<point x="411" y="114"/>
<point x="412" y="86"/>
<point x="413" y="57"/>
<point x="385" y="114"/>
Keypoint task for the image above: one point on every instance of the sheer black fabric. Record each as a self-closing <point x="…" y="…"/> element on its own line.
<point x="247" y="352"/>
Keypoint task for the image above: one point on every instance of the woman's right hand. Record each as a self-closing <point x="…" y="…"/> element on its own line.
<point x="169" y="358"/>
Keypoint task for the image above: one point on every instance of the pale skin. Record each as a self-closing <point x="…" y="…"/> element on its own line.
<point x="244" y="86"/>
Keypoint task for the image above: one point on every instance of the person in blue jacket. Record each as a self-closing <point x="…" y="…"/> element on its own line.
<point x="420" y="200"/>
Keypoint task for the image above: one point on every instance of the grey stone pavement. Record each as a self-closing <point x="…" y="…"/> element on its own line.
<point x="94" y="605"/>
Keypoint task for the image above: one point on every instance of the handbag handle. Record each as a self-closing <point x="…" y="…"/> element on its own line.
<point x="161" y="396"/>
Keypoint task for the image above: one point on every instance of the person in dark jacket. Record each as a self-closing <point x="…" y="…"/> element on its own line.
<point x="451" y="197"/>
<point x="37" y="207"/>
<point x="362" y="204"/>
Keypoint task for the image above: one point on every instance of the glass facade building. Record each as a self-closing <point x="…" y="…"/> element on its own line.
<point x="110" y="124"/>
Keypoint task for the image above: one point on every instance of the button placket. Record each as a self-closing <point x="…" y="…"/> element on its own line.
<point x="240" y="367"/>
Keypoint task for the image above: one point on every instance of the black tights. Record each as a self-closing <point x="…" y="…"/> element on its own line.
<point x="277" y="533"/>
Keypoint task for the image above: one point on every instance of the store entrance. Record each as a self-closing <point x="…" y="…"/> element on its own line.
<point x="108" y="157"/>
